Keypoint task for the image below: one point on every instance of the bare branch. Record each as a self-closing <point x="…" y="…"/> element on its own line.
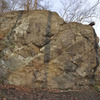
<point x="78" y="10"/>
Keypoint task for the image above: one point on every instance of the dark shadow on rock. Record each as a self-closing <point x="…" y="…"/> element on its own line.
<point x="12" y="29"/>
<point x="47" y="47"/>
<point x="96" y="53"/>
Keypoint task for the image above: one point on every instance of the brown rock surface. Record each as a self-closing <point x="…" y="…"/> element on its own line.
<point x="41" y="50"/>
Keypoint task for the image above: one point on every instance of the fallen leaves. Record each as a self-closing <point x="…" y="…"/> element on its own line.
<point x="22" y="93"/>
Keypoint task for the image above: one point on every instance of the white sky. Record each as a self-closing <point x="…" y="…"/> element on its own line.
<point x="57" y="6"/>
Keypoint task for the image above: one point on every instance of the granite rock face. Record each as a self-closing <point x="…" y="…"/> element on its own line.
<point x="40" y="50"/>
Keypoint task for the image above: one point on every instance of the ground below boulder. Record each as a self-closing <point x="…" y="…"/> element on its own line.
<point x="20" y="93"/>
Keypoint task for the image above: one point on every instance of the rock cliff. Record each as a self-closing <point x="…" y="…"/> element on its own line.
<point x="39" y="50"/>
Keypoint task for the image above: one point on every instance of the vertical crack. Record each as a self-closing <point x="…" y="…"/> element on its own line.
<point x="96" y="52"/>
<point x="47" y="47"/>
<point x="11" y="32"/>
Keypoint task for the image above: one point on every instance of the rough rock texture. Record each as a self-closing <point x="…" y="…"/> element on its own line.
<point x="40" y="50"/>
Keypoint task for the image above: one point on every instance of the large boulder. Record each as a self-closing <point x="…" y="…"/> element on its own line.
<point x="40" y="50"/>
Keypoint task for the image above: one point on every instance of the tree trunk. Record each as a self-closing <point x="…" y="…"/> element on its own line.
<point x="35" y="4"/>
<point x="31" y="4"/>
<point x="27" y="5"/>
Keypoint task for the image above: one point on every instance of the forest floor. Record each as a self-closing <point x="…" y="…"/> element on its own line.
<point x="10" y="92"/>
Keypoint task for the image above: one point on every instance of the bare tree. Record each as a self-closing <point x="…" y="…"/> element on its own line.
<point x="35" y="4"/>
<point x="27" y="5"/>
<point x="79" y="10"/>
<point x="31" y="4"/>
<point x="16" y="4"/>
<point x="3" y="6"/>
<point x="44" y="6"/>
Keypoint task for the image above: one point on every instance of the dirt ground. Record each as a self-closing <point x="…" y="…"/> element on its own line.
<point x="8" y="92"/>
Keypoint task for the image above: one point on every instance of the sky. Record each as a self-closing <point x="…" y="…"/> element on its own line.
<point x="57" y="7"/>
